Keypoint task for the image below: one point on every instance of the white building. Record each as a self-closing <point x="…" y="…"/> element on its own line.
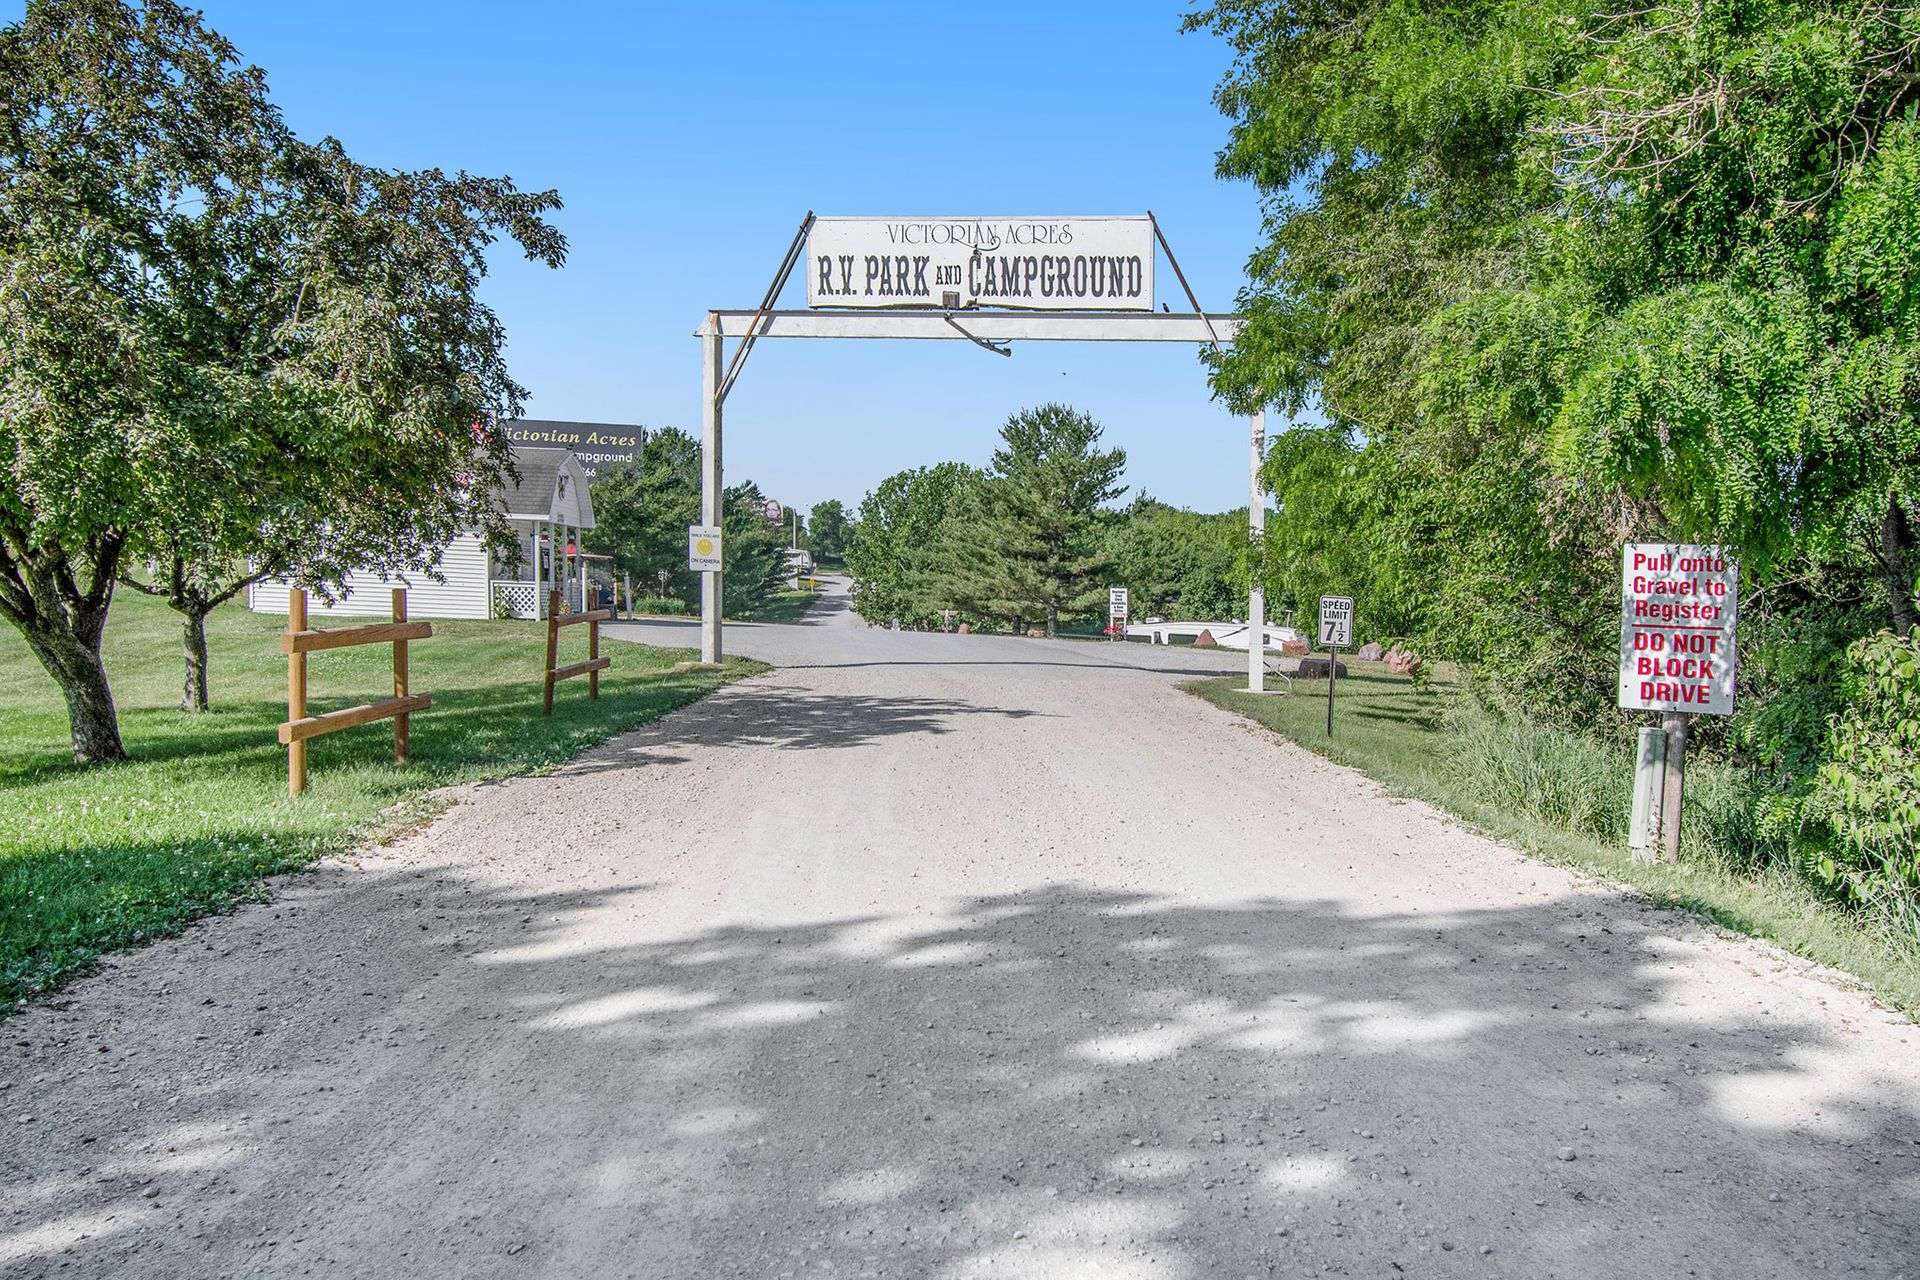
<point x="550" y="507"/>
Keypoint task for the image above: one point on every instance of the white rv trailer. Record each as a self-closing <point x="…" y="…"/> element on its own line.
<point x="1228" y="635"/>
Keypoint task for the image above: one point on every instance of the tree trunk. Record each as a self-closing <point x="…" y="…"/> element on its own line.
<point x="193" y="690"/>
<point x="76" y="667"/>
<point x="1053" y="619"/>
<point x="1899" y="562"/>
<point x="62" y="612"/>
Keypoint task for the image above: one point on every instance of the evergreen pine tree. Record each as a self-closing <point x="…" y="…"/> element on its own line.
<point x="1029" y="544"/>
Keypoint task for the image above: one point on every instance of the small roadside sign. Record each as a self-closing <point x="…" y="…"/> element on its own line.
<point x="1336" y="622"/>
<point x="1116" y="604"/>
<point x="703" y="548"/>
<point x="1336" y="632"/>
<point x="1679" y="603"/>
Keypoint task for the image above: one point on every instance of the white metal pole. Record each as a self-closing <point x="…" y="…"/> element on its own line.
<point x="710" y="472"/>
<point x="1256" y="532"/>
<point x="539" y="574"/>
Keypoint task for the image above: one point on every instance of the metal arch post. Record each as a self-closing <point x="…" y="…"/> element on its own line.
<point x="1180" y="275"/>
<point x="794" y="252"/>
<point x="1256" y="535"/>
<point x="1256" y="500"/>
<point x="710" y="491"/>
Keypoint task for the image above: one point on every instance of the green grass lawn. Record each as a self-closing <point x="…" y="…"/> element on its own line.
<point x="97" y="858"/>
<point x="1422" y="741"/>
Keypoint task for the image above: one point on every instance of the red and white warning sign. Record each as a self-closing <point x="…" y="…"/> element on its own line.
<point x="1678" y="603"/>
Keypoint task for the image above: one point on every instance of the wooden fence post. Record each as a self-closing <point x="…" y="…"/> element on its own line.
<point x="553" y="645"/>
<point x="401" y="740"/>
<point x="296" y="693"/>
<point x="593" y="651"/>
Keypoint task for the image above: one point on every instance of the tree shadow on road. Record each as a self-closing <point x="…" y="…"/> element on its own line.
<point x="1066" y="1081"/>
<point x="773" y="715"/>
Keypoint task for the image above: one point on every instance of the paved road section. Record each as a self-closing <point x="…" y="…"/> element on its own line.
<point x="932" y="956"/>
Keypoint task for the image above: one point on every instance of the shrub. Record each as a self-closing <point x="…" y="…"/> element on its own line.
<point x="1860" y="819"/>
<point x="660" y="604"/>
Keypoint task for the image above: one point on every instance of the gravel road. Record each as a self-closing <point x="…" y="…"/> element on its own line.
<point x="942" y="956"/>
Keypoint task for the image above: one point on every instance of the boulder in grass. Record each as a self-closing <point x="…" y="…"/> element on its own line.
<point x="1316" y="668"/>
<point x="1205" y="640"/>
<point x="965" y="630"/>
<point x="1035" y="633"/>
<point x="1370" y="651"/>
<point x="1295" y="648"/>
<point x="1404" y="664"/>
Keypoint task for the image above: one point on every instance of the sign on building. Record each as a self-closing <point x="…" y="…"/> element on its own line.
<point x="1336" y="622"/>
<point x="1116" y="605"/>
<point x="1678" y="606"/>
<point x="703" y="547"/>
<point x="1042" y="264"/>
<point x="594" y="444"/>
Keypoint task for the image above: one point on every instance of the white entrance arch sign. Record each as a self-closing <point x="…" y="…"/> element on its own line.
<point x="981" y="327"/>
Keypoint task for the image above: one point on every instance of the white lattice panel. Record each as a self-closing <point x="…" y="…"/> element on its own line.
<point x="522" y="599"/>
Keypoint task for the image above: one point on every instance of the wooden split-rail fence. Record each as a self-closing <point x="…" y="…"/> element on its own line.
<point x="594" y="664"/>
<point x="297" y="642"/>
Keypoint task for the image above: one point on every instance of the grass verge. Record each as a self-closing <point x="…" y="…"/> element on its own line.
<point x="1563" y="798"/>
<point x="100" y="858"/>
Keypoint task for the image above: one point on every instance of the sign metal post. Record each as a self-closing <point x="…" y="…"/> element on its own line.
<point x="1336" y="633"/>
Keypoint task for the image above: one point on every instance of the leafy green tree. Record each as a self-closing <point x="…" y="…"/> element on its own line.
<point x="1179" y="564"/>
<point x="755" y="550"/>
<point x="643" y="507"/>
<point x="827" y="530"/>
<point x="1564" y="275"/>
<point x="1030" y="544"/>
<point x="376" y="345"/>
<point x="898" y="551"/>
<point x="1400" y="155"/>
<point x="204" y="317"/>
<point x="109" y="119"/>
<point x="619" y="515"/>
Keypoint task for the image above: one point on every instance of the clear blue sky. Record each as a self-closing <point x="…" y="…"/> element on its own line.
<point x="688" y="140"/>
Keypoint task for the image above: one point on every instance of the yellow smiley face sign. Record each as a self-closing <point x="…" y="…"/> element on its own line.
<point x="703" y="548"/>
